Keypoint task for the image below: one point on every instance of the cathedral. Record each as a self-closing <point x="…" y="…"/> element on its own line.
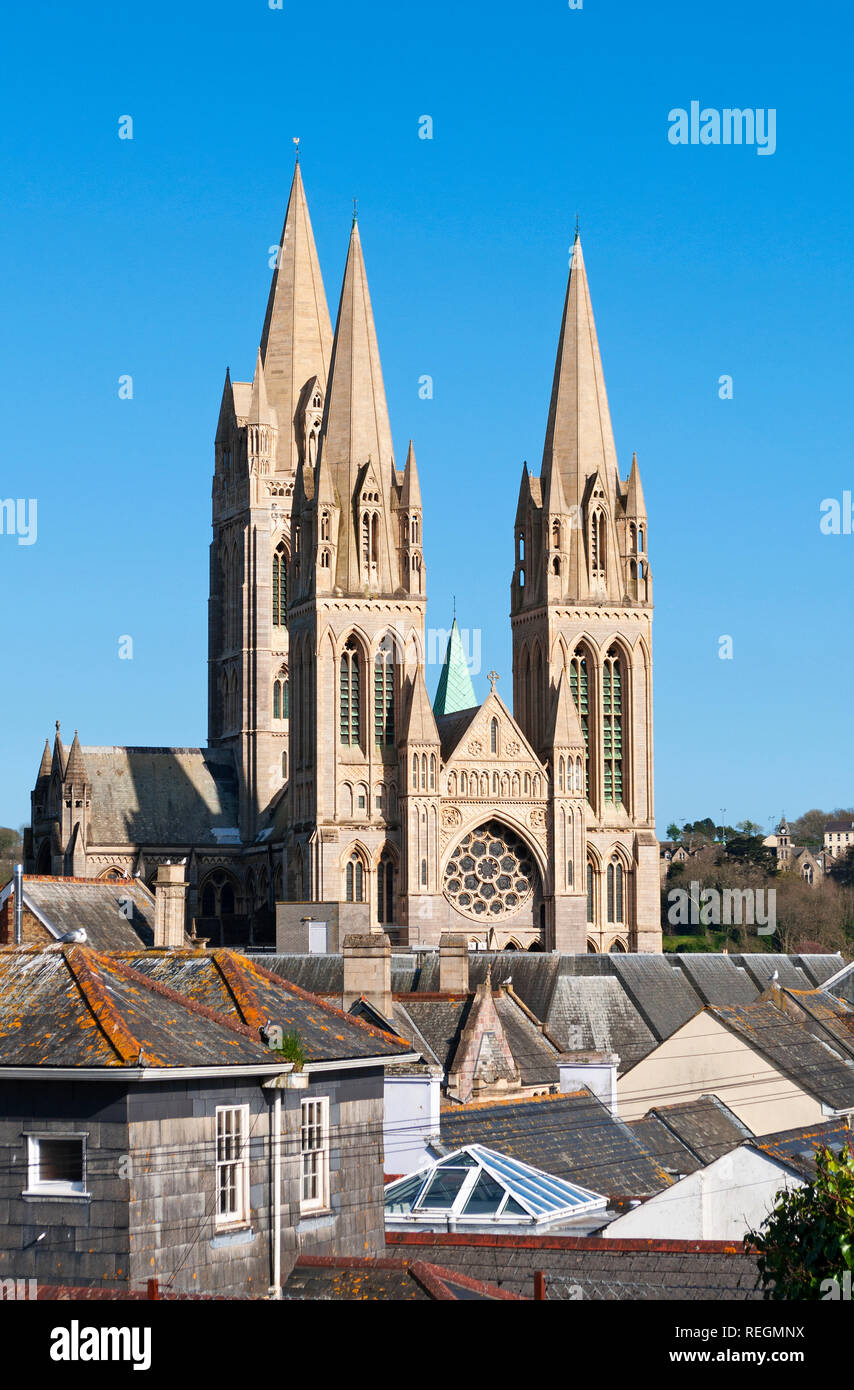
<point x="329" y="777"/>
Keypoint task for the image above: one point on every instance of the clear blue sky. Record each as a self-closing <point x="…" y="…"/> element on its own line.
<point x="149" y="257"/>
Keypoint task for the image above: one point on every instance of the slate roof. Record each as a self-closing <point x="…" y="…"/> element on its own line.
<point x="377" y="1280"/>
<point x="585" y="1268"/>
<point x="820" y="968"/>
<point x="595" y="1014"/>
<point x="796" y="1147"/>
<point x="242" y="989"/>
<point x="663" y="996"/>
<point x="572" y="1136"/>
<point x="717" y="980"/>
<point x="762" y="967"/>
<point x="439" y="1023"/>
<point x="452" y="728"/>
<point x="100" y="906"/>
<point x="834" y="1017"/>
<point x="794" y="1050"/>
<point x="160" y="796"/>
<point x="74" y="1006"/>
<point x="71" y="1006"/>
<point x="690" y="1134"/>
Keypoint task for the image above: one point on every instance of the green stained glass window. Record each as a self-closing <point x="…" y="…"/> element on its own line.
<point x="612" y="726"/>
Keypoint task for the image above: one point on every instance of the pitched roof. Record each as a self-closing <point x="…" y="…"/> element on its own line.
<point x="796" y="1147"/>
<point x="593" y="1013"/>
<point x="592" y="1268"/>
<point x="418" y="724"/>
<point x="366" y="1279"/>
<point x="438" y="1023"/>
<point x="455" y="692"/>
<point x="690" y="1134"/>
<point x="793" y="1049"/>
<point x="572" y="1136"/>
<point x="240" y="988"/>
<point x="161" y="796"/>
<point x="74" y="1006"/>
<point x="116" y="915"/>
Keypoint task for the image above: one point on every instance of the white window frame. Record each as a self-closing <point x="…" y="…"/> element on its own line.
<point x="314" y="1154"/>
<point x="40" y="1187"/>
<point x="239" y="1163"/>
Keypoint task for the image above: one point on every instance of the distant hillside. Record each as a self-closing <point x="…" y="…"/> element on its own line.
<point x="11" y="846"/>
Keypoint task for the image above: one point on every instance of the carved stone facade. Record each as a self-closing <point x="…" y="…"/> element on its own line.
<point x="328" y="778"/>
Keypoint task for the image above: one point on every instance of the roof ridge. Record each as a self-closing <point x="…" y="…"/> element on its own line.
<point x="332" y="1008"/>
<point x="81" y="962"/>
<point x="234" y="976"/>
<point x="192" y="1005"/>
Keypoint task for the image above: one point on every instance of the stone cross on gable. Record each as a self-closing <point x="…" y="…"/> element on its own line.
<point x="492" y="677"/>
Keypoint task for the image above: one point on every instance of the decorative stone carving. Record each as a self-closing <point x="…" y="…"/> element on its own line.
<point x="451" y="817"/>
<point x="537" y="818"/>
<point x="511" y="748"/>
<point x="475" y="746"/>
<point x="490" y="873"/>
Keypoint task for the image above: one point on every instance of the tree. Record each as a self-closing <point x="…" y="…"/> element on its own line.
<point x="11" y="851"/>
<point x="842" y="871"/>
<point x="808" y="1240"/>
<point x="748" y="827"/>
<point x="751" y="848"/>
<point x="673" y="832"/>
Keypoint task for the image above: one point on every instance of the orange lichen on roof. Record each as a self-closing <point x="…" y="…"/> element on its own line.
<point x="240" y="988"/>
<point x="83" y="967"/>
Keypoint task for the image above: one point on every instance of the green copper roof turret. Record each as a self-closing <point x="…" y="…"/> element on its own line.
<point x="455" y="691"/>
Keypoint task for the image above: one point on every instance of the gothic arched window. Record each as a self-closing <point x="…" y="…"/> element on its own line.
<point x="385" y="889"/>
<point x="578" y="684"/>
<point x="415" y="771"/>
<point x="597" y="543"/>
<point x="384" y="693"/>
<point x="612" y="726"/>
<point x="355" y="879"/>
<point x="493" y="736"/>
<point x="350" y="695"/>
<point x="432" y="772"/>
<point x="616" y="908"/>
<point x="280" y="585"/>
<point x="591" y="906"/>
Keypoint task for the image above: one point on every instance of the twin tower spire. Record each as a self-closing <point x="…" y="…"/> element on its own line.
<point x="325" y="396"/>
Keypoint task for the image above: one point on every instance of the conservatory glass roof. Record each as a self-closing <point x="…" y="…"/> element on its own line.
<point x="475" y="1184"/>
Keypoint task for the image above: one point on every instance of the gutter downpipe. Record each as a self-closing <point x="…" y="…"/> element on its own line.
<point x="276" y="1137"/>
<point x="19" y="903"/>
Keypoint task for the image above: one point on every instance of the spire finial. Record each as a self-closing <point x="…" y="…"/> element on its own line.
<point x="492" y="677"/>
<point x="57" y="726"/>
<point x="455" y="608"/>
<point x="355" y="212"/>
<point x="576" y="226"/>
<point x="296" y="143"/>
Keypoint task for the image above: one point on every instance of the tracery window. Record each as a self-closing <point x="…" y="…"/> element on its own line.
<point x="385" y="889"/>
<point x="384" y="693"/>
<point x="355" y="879"/>
<point x="280" y="585"/>
<point x="490" y="873"/>
<point x="350" y="694"/>
<point x="579" y="685"/>
<point x="615" y="891"/>
<point x="612" y="726"/>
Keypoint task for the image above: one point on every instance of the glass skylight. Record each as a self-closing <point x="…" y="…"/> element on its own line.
<point x="477" y="1185"/>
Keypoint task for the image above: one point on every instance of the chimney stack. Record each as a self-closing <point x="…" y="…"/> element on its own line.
<point x="367" y="971"/>
<point x="170" y="901"/>
<point x="453" y="964"/>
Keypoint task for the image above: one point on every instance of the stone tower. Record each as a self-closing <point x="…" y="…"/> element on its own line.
<point x="267" y="429"/>
<point x="581" y="613"/>
<point x="356" y="624"/>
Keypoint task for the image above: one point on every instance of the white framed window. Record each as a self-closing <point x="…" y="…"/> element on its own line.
<point x="232" y="1165"/>
<point x="56" y="1165"/>
<point x="314" y="1154"/>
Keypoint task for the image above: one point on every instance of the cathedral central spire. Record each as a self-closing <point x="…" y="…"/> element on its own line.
<point x="579" y="438"/>
<point x="297" y="336"/>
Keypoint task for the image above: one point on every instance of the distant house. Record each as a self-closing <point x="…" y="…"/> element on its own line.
<point x="153" y="1126"/>
<point x="734" y="1193"/>
<point x="838" y="837"/>
<point x="116" y="914"/>
<point x="785" y="1060"/>
<point x="811" y="865"/>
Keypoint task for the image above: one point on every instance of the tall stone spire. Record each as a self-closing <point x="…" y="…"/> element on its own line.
<point x="75" y="770"/>
<point x="579" y="437"/>
<point x="297" y="336"/>
<point x="355" y="440"/>
<point x="635" y="505"/>
<point x="455" y="690"/>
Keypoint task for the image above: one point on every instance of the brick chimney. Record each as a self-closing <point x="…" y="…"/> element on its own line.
<point x="170" y="903"/>
<point x="453" y="963"/>
<point x="367" y="971"/>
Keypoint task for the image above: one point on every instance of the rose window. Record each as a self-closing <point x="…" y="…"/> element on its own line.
<point x="491" y="872"/>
